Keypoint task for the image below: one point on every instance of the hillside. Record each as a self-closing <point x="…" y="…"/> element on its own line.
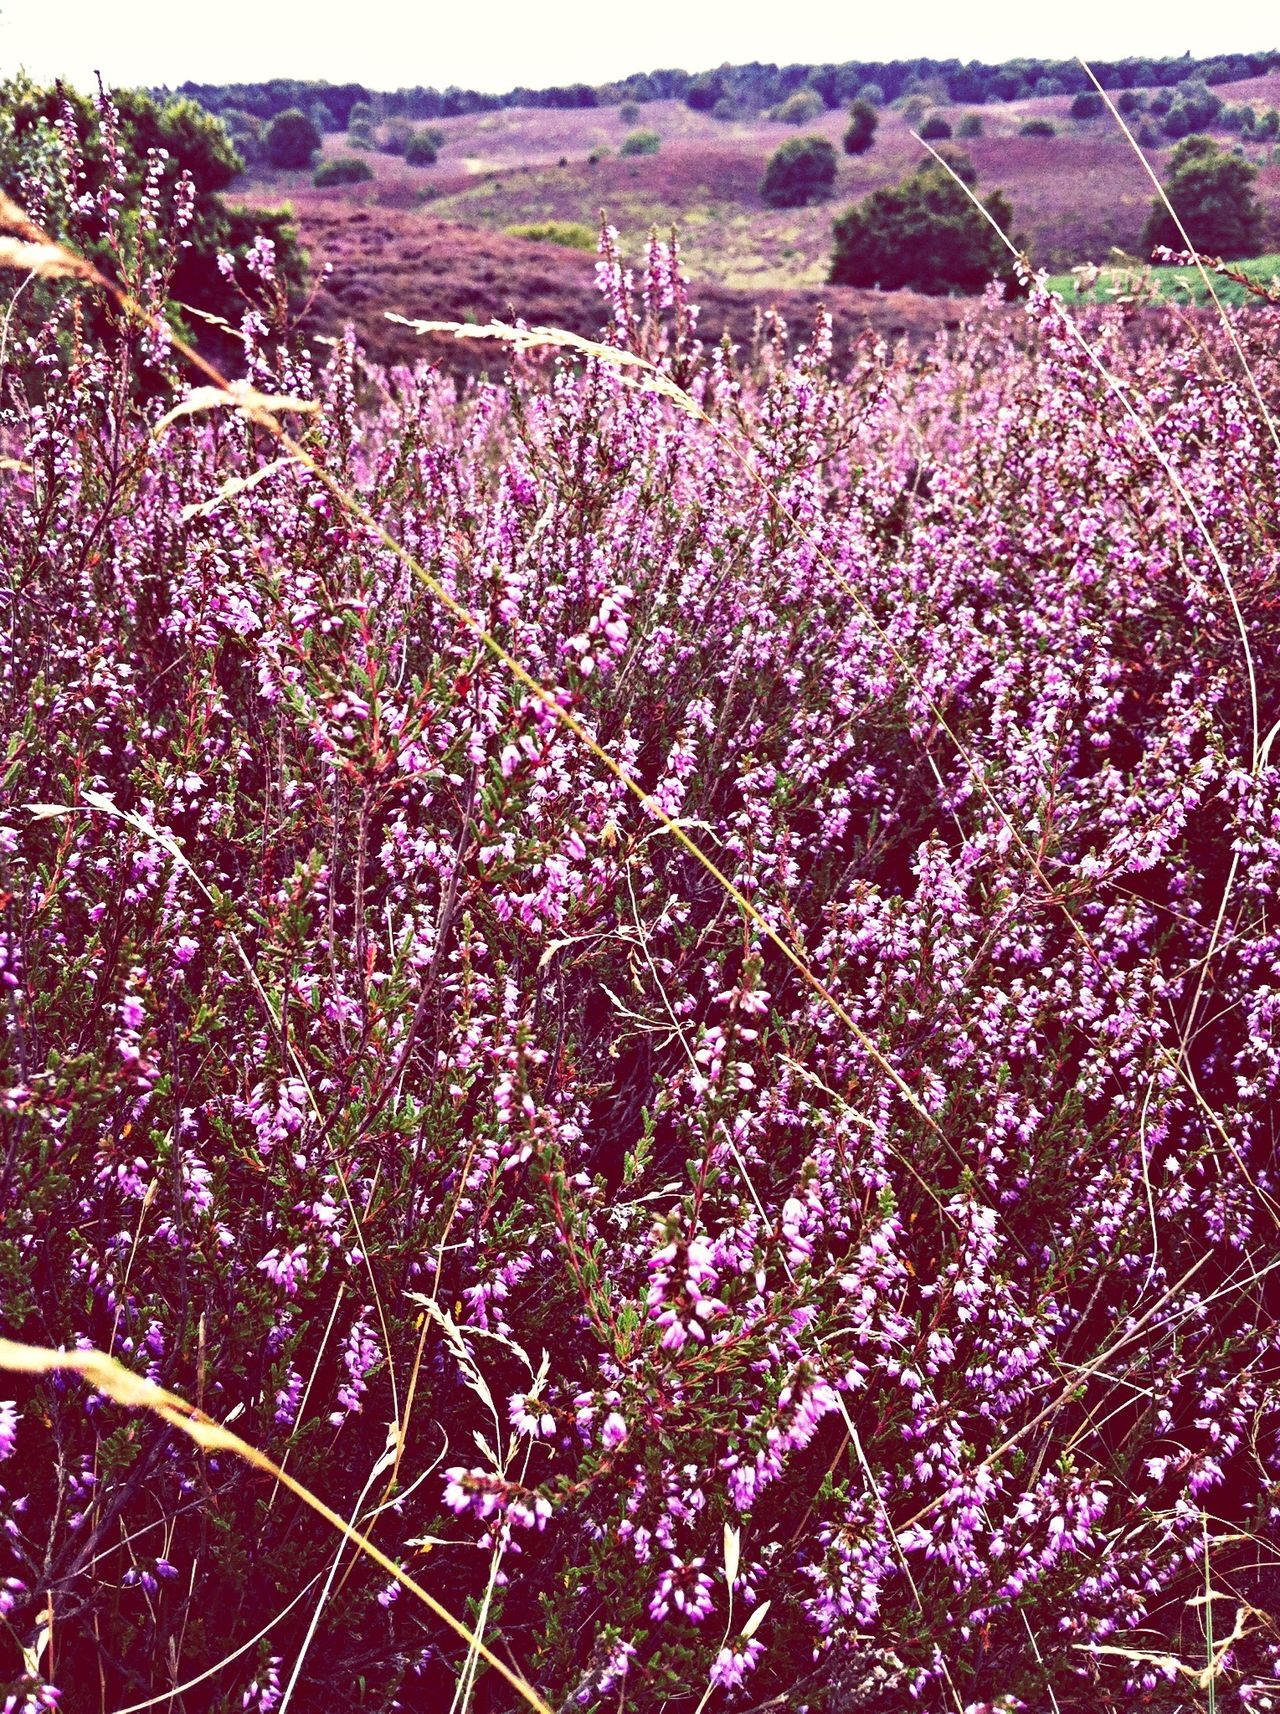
<point x="433" y="240"/>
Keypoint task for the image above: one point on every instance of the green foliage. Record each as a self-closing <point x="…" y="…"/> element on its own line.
<point x="861" y="131"/>
<point x="395" y="138"/>
<point x="292" y="140"/>
<point x="1194" y="107"/>
<point x="802" y="171"/>
<point x="362" y="113"/>
<point x="872" y="93"/>
<point x="421" y="149"/>
<point x="641" y="143"/>
<point x="343" y="169"/>
<point x="802" y="108"/>
<point x="924" y="234"/>
<point x="629" y="112"/>
<point x="1214" y="196"/>
<point x="970" y="125"/>
<point x="1038" y="128"/>
<point x="1088" y="104"/>
<point x="569" y="233"/>
<point x="194" y="142"/>
<point x="936" y="128"/>
<point x="360" y="134"/>
<point x="1177" y="285"/>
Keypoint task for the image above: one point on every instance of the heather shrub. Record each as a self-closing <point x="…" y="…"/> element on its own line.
<point x="640" y="143"/>
<point x="342" y="169"/>
<point x="801" y="171"/>
<point x="853" y="1288"/>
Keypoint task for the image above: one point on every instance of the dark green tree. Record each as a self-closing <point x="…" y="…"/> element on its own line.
<point x="924" y="233"/>
<point x="291" y="140"/>
<point x="1088" y="104"/>
<point x="861" y="132"/>
<point x="420" y="150"/>
<point x="1213" y="194"/>
<point x="194" y="142"/>
<point x="936" y="128"/>
<point x="802" y="171"/>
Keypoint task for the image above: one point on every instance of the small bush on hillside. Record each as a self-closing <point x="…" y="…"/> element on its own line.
<point x="420" y="150"/>
<point x="360" y="135"/>
<point x="970" y="125"/>
<point x="361" y="113"/>
<point x="641" y="143"/>
<point x="872" y="94"/>
<point x="935" y="128"/>
<point x="343" y="169"/>
<point x="1038" y="128"/>
<point x="725" y="110"/>
<point x="292" y="141"/>
<point x="802" y="171"/>
<point x="395" y="138"/>
<point x="322" y="118"/>
<point x="1131" y="101"/>
<point x="924" y="233"/>
<point x="570" y="234"/>
<point x="629" y="112"/>
<point x="1088" y="104"/>
<point x="1214" y="196"/>
<point x="861" y="131"/>
<point x="802" y="108"/>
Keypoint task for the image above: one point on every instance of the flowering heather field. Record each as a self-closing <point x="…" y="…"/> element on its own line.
<point x="847" y="1285"/>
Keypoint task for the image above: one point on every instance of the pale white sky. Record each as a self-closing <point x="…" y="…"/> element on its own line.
<point x="497" y="44"/>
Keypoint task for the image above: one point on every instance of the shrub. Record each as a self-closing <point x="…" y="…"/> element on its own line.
<point x="1087" y="104"/>
<point x="629" y="112"/>
<point x="1214" y="196"/>
<point x="640" y="143"/>
<point x="292" y="140"/>
<point x="970" y="125"/>
<point x="801" y="171"/>
<point x="800" y="108"/>
<point x="860" y="133"/>
<point x="395" y="137"/>
<point x="924" y="234"/>
<point x="1130" y="101"/>
<point x="360" y="135"/>
<point x="725" y="110"/>
<point x="361" y="113"/>
<point x="1038" y="128"/>
<point x="935" y="128"/>
<point x="420" y="150"/>
<point x="567" y="233"/>
<point x="342" y="169"/>
<point x="872" y="94"/>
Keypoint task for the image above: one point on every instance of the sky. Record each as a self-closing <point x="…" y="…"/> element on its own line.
<point x="498" y="44"/>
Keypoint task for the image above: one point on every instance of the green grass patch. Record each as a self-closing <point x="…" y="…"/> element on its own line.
<point x="570" y="233"/>
<point x="1173" y="285"/>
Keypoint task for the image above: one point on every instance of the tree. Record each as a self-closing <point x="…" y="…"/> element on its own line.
<point x="802" y="171"/>
<point x="292" y="140"/>
<point x="420" y="150"/>
<point x="935" y="128"/>
<point x="924" y="233"/>
<point x="861" y="133"/>
<point x="1213" y="194"/>
<point x="1088" y="104"/>
<point x="34" y="134"/>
